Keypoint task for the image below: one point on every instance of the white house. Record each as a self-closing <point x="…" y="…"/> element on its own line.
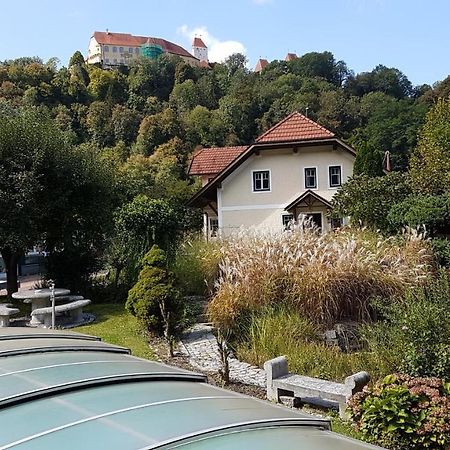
<point x="292" y="169"/>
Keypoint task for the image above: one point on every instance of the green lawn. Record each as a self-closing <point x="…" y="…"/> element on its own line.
<point x="114" y="325"/>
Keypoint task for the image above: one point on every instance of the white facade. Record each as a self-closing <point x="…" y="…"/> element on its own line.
<point x="200" y="53"/>
<point x="239" y="204"/>
<point x="111" y="55"/>
<point x="94" y="52"/>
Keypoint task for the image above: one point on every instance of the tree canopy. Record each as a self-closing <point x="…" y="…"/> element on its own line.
<point x="430" y="163"/>
<point x="135" y="128"/>
<point x="50" y="193"/>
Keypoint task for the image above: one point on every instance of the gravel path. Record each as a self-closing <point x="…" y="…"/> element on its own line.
<point x="199" y="344"/>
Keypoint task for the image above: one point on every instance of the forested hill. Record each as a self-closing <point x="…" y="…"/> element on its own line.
<point x="158" y="111"/>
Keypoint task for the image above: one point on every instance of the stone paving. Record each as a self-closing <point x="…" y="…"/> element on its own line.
<point x="200" y="345"/>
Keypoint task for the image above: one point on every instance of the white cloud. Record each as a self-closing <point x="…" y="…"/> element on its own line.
<point x="217" y="50"/>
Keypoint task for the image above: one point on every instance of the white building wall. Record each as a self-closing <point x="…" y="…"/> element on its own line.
<point x="200" y="53"/>
<point x="94" y="52"/>
<point x="241" y="206"/>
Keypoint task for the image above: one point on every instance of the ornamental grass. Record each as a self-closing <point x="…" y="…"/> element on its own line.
<point x="327" y="277"/>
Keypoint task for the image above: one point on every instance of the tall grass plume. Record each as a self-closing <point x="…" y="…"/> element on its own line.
<point x="327" y="277"/>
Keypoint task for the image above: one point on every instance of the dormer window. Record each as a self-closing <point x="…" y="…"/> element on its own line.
<point x="261" y="181"/>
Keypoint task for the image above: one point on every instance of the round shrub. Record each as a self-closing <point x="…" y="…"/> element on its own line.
<point x="404" y="412"/>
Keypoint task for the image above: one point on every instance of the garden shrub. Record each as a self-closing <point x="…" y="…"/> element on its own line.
<point x="155" y="289"/>
<point x="414" y="335"/>
<point x="403" y="412"/>
<point x="196" y="265"/>
<point x="429" y="211"/>
<point x="441" y="249"/>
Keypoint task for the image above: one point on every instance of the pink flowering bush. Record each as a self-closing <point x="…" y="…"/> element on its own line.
<point x="403" y="412"/>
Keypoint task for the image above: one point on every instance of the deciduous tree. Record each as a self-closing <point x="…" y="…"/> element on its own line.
<point x="430" y="163"/>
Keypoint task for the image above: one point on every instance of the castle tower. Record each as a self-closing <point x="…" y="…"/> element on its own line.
<point x="261" y="64"/>
<point x="199" y="49"/>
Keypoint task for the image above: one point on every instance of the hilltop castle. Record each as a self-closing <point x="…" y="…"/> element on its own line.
<point x="116" y="49"/>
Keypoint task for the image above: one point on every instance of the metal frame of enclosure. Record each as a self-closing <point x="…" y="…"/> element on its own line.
<point x="64" y="390"/>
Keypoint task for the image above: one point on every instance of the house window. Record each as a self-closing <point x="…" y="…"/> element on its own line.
<point x="213" y="227"/>
<point x="107" y="60"/>
<point x="336" y="222"/>
<point x="310" y="178"/>
<point x="136" y="50"/>
<point x="106" y="48"/>
<point x="261" y="181"/>
<point x="121" y="49"/>
<point x="130" y="50"/>
<point x="114" y="49"/>
<point x="335" y="176"/>
<point x="287" y="220"/>
<point x="115" y="60"/>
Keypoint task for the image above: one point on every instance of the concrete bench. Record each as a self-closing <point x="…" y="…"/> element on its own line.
<point x="281" y="382"/>
<point x="72" y="313"/>
<point x="6" y="311"/>
<point x="61" y="298"/>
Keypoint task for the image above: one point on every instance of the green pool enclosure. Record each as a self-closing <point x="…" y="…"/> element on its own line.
<point x="64" y="390"/>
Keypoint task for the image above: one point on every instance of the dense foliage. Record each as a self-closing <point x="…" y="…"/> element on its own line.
<point x="419" y="199"/>
<point x="430" y="164"/>
<point x="154" y="101"/>
<point x="52" y="194"/>
<point x="402" y="412"/>
<point x="367" y="200"/>
<point x="143" y="122"/>
<point x="413" y="331"/>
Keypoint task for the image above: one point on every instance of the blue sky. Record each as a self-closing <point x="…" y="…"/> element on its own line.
<point x="413" y="35"/>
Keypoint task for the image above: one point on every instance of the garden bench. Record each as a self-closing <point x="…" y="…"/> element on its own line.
<point x="61" y="298"/>
<point x="5" y="312"/>
<point x="281" y="382"/>
<point x="72" y="311"/>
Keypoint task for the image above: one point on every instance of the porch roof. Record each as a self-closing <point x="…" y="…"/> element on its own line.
<point x="308" y="197"/>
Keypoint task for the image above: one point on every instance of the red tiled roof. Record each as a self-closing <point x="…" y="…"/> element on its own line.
<point x="211" y="161"/>
<point x="261" y="64"/>
<point x="204" y="65"/>
<point x="198" y="43"/>
<point x="290" y="57"/>
<point x="295" y="127"/>
<point x="128" y="40"/>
